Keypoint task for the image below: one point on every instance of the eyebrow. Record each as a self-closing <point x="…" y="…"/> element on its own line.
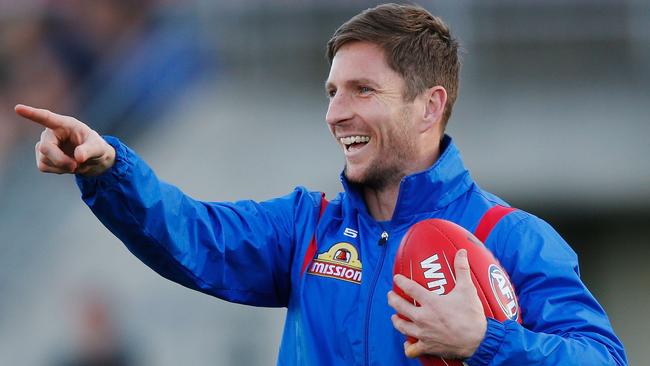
<point x="352" y="82"/>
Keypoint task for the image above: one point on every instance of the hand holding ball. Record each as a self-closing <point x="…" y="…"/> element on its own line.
<point x="426" y="255"/>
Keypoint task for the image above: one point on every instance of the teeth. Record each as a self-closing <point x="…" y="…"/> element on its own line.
<point x="349" y="140"/>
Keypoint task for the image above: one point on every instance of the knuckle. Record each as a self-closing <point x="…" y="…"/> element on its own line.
<point x="428" y="301"/>
<point x="397" y="321"/>
<point x="404" y="320"/>
<point x="404" y="326"/>
<point x="417" y="316"/>
<point x="409" y="287"/>
<point x="74" y="122"/>
<point x="397" y="305"/>
<point x="41" y="166"/>
<point x="46" y="115"/>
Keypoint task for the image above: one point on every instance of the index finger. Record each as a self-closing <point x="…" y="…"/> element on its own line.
<point x="412" y="288"/>
<point x="402" y="306"/>
<point x="43" y="117"/>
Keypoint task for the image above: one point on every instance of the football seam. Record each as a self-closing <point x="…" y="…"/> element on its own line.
<point x="455" y="247"/>
<point x="401" y="252"/>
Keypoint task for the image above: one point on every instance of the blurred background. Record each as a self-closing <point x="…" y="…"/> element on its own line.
<point x="226" y="100"/>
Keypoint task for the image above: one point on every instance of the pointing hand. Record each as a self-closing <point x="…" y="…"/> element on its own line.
<point x="67" y="145"/>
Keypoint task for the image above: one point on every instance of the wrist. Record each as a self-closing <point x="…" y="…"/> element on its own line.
<point x="110" y="158"/>
<point x="494" y="336"/>
<point x="475" y="343"/>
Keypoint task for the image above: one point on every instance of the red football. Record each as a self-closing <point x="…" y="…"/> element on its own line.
<point x="426" y="255"/>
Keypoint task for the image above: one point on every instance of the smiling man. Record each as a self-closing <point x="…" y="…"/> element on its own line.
<point x="385" y="134"/>
<point x="391" y="87"/>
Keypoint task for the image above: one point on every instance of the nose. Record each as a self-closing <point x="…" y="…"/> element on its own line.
<point x="339" y="110"/>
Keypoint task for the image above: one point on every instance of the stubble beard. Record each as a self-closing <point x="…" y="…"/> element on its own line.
<point x="377" y="178"/>
<point x="389" y="169"/>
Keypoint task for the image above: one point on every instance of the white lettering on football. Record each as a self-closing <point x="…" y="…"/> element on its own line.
<point x="432" y="271"/>
<point x="510" y="307"/>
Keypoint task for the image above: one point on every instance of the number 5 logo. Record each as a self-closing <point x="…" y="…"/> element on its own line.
<point x="351" y="233"/>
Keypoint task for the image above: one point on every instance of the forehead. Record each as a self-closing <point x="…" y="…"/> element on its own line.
<point x="361" y="61"/>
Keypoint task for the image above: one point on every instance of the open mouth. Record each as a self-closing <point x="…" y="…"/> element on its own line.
<point x="353" y="143"/>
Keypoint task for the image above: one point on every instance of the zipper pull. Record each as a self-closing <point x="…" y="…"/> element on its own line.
<point x="383" y="239"/>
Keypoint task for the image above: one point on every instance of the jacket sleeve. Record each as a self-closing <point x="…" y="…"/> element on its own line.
<point x="563" y="324"/>
<point x="240" y="252"/>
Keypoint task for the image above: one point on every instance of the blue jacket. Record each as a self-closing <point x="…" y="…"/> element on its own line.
<point x="258" y="253"/>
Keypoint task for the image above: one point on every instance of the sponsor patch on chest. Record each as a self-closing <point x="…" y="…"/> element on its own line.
<point x="340" y="262"/>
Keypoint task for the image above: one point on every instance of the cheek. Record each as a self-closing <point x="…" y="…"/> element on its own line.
<point x="397" y="137"/>
<point x="377" y="120"/>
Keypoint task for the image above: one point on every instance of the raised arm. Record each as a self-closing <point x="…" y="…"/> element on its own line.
<point x="238" y="251"/>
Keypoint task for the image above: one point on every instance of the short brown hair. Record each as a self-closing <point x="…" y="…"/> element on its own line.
<point x="417" y="44"/>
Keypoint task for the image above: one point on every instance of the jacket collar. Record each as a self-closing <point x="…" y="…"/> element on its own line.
<point x="429" y="190"/>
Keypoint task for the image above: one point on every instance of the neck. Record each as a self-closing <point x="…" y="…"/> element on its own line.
<point x="381" y="202"/>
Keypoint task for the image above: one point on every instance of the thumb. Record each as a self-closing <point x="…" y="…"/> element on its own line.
<point x="461" y="266"/>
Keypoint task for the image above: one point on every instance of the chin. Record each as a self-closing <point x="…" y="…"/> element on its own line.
<point x="357" y="173"/>
<point x="353" y="175"/>
<point x="375" y="177"/>
<point x="366" y="178"/>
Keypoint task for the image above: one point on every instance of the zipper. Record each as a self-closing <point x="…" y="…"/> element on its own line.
<point x="383" y="239"/>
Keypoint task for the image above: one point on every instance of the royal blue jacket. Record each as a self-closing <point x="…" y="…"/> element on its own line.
<point x="335" y="286"/>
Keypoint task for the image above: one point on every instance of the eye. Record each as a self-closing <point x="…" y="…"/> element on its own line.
<point x="331" y="93"/>
<point x="365" y="90"/>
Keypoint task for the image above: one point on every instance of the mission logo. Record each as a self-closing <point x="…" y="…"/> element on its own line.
<point x="341" y="262"/>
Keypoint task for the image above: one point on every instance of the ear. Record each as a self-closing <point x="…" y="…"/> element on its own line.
<point x="435" y="99"/>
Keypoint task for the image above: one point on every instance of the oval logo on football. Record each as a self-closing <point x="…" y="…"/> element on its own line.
<point x="503" y="292"/>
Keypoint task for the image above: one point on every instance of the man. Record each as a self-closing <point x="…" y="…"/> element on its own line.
<point x="391" y="87"/>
